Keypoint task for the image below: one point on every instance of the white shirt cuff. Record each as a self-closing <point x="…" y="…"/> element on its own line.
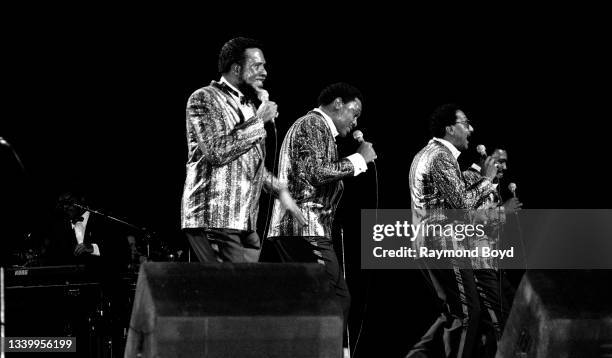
<point x="358" y="163"/>
<point x="96" y="250"/>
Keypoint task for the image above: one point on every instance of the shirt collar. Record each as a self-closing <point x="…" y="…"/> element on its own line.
<point x="223" y="80"/>
<point x="329" y="121"/>
<point x="448" y="145"/>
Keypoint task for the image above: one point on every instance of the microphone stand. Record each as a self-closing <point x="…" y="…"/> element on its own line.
<point x="110" y="217"/>
<point x="26" y="231"/>
<point x="9" y="146"/>
<point x="148" y="234"/>
<point x="147" y="237"/>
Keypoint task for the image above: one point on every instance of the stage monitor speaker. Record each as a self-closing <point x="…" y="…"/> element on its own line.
<point x="71" y="310"/>
<point x="560" y="313"/>
<point x="234" y="310"/>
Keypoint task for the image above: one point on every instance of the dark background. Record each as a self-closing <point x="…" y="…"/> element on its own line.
<point x="100" y="101"/>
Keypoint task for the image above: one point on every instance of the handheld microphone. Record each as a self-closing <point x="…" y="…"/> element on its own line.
<point x="262" y="94"/>
<point x="358" y="136"/>
<point x="4" y="142"/>
<point x="482" y="150"/>
<point x="512" y="188"/>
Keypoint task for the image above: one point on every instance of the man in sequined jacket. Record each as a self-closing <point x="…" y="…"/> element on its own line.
<point x="496" y="292"/>
<point x="226" y="152"/>
<point x="440" y="194"/>
<point x="491" y="211"/>
<point x="310" y="166"/>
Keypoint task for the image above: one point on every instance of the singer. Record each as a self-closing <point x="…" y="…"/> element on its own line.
<point x="494" y="200"/>
<point x="77" y="235"/>
<point x="436" y="184"/>
<point x="310" y="165"/>
<point x="225" y="164"/>
<point x="495" y="290"/>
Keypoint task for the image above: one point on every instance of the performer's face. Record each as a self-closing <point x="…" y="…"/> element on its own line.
<point x="70" y="211"/>
<point x="462" y="129"/>
<point x="253" y="71"/>
<point x="501" y="158"/>
<point x="346" y="119"/>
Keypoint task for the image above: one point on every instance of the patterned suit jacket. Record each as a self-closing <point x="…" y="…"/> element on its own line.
<point x="310" y="166"/>
<point x="488" y="212"/>
<point x="487" y="208"/>
<point x="438" y="190"/>
<point x="225" y="164"/>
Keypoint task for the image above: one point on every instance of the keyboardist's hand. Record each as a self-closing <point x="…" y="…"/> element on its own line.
<point x="83" y="249"/>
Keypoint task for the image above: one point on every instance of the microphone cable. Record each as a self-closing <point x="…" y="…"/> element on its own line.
<point x="2" y="311"/>
<point x="348" y="331"/>
<point x="521" y="239"/>
<point x="269" y="209"/>
<point x="369" y="277"/>
<point x="500" y="246"/>
<point x="520" y="232"/>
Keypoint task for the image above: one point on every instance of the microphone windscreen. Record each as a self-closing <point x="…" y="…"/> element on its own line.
<point x="263" y="95"/>
<point x="512" y="187"/>
<point x="358" y="136"/>
<point x="481" y="150"/>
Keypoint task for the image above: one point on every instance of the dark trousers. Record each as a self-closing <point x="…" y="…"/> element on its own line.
<point x="474" y="308"/>
<point x="224" y="245"/>
<point x="496" y="294"/>
<point x="311" y="249"/>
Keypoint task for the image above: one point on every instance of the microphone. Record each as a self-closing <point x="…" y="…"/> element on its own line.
<point x="4" y="142"/>
<point x="512" y="188"/>
<point x="482" y="150"/>
<point x="358" y="136"/>
<point x="84" y="207"/>
<point x="262" y="94"/>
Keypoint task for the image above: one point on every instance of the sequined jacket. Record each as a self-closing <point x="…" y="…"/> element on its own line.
<point x="489" y="213"/>
<point x="310" y="166"/>
<point x="225" y="163"/>
<point x="488" y="209"/>
<point x="439" y="192"/>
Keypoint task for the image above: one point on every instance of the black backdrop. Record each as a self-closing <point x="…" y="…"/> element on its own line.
<point x="101" y="101"/>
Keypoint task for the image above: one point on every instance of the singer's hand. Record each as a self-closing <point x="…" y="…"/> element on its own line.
<point x="367" y="151"/>
<point x="289" y="204"/>
<point x="489" y="168"/>
<point x="83" y="249"/>
<point x="267" y="111"/>
<point x="512" y="205"/>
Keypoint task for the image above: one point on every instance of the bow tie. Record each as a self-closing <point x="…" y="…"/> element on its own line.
<point x="227" y="89"/>
<point x="76" y="220"/>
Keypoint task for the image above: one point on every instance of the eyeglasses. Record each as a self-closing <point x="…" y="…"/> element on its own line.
<point x="466" y="124"/>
